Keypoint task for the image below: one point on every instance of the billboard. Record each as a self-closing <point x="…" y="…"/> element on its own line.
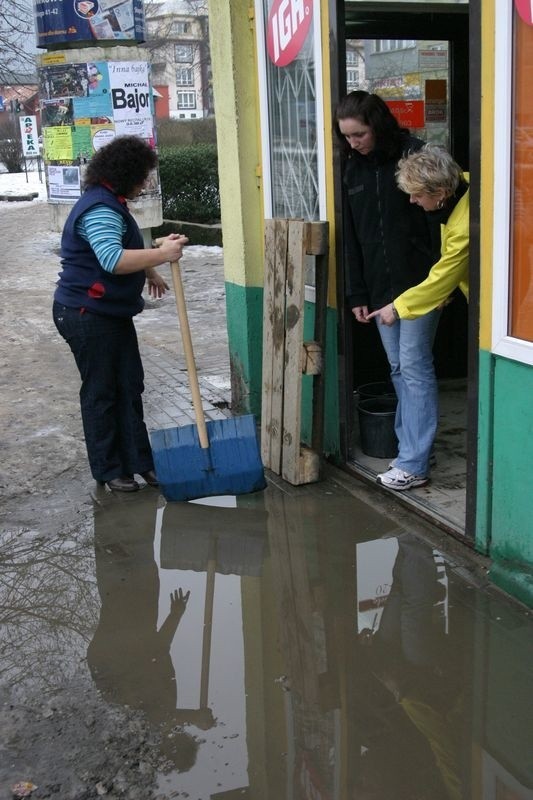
<point x="61" y="21"/>
<point x="83" y="107"/>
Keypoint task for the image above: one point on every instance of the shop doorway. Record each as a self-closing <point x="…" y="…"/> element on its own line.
<point x="416" y="57"/>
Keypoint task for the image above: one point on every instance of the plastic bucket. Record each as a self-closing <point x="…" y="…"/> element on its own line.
<point x="377" y="389"/>
<point x="376" y="425"/>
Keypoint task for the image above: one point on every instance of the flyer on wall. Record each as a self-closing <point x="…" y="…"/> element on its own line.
<point x="83" y="107"/>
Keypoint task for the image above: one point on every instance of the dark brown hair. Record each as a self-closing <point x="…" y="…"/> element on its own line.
<point x="371" y="110"/>
<point x="124" y="164"/>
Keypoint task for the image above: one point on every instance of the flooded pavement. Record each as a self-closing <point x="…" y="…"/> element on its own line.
<point x="307" y="643"/>
<point x="297" y="643"/>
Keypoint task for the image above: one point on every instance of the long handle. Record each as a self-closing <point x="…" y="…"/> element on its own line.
<point x="208" y="623"/>
<point x="189" y="354"/>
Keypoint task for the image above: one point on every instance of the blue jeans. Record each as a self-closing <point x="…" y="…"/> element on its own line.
<point x="112" y="383"/>
<point x="409" y="348"/>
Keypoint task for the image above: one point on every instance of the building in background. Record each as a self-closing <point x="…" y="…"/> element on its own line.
<point x="178" y="40"/>
<point x="19" y="96"/>
<point x="355" y="65"/>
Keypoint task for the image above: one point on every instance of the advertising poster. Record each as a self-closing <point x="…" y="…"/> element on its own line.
<point x="83" y="107"/>
<point x="59" y="21"/>
<point x="63" y="182"/>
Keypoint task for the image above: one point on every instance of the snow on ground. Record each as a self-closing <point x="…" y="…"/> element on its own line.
<point x="20" y="184"/>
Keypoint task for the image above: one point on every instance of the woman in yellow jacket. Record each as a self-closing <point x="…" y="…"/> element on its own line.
<point x="435" y="182"/>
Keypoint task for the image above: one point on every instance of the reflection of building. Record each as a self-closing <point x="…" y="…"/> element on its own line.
<point x="355" y="65"/>
<point x="178" y="39"/>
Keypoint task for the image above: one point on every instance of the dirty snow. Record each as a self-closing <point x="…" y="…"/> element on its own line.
<point x="21" y="183"/>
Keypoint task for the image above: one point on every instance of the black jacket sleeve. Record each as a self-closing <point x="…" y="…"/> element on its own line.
<point x="354" y="284"/>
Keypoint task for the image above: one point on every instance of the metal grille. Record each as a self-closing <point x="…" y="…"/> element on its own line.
<point x="292" y="118"/>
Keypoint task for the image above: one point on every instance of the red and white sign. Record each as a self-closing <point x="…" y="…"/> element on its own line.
<point x="409" y="113"/>
<point x="525" y="10"/>
<point x="287" y="28"/>
<point x="29" y="135"/>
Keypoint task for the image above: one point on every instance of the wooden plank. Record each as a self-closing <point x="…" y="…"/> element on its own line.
<point x="293" y="590"/>
<point x="294" y="319"/>
<point x="273" y="342"/>
<point x="268" y="295"/>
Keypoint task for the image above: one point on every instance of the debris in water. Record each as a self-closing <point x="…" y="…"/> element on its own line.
<point x="23" y="789"/>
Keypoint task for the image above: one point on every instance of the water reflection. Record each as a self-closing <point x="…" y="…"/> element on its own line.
<point x="48" y="607"/>
<point x="129" y="655"/>
<point x="304" y="645"/>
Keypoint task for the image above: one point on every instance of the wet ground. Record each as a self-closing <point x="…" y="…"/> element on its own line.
<point x="317" y="642"/>
<point x="296" y="643"/>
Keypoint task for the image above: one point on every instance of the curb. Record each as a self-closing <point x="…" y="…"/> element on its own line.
<point x="10" y="198"/>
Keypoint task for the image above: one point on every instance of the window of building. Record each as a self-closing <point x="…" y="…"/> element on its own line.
<point x="179" y="27"/>
<point x="352" y="57"/>
<point x="387" y="45"/>
<point x="186" y="100"/>
<point x="291" y="147"/>
<point x="183" y="53"/>
<point x="352" y="79"/>
<point x="184" y="76"/>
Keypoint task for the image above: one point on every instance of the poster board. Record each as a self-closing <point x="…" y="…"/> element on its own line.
<point x="84" y="106"/>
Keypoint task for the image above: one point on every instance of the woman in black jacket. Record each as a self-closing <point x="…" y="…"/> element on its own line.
<point x="388" y="249"/>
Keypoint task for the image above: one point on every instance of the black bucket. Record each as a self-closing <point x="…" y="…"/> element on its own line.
<point x="376" y="425"/>
<point x="376" y="389"/>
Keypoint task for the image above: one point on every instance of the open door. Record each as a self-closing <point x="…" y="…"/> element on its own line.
<point x="416" y="57"/>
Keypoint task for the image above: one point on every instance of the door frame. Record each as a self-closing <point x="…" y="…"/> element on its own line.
<point x="407" y="21"/>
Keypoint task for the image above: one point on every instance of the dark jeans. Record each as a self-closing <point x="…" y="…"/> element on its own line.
<point x="107" y="356"/>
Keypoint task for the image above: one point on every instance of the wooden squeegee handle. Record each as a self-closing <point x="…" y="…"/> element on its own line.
<point x="189" y="354"/>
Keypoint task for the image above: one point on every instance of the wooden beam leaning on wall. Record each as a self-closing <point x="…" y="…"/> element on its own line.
<point x="286" y="357"/>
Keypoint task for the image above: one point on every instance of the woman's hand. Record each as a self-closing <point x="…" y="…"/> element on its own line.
<point x="360" y="313"/>
<point x="386" y="315"/>
<point x="157" y="285"/>
<point x="171" y="247"/>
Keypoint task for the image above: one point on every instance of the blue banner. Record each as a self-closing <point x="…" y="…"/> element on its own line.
<point x="59" y="21"/>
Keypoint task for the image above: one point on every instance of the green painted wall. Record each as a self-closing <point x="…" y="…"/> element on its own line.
<point x="245" y="333"/>
<point x="504" y="504"/>
<point x="244" y="306"/>
<point x="484" y="472"/>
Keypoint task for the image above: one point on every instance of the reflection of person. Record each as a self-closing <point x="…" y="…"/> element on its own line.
<point x="388" y="250"/>
<point x="98" y="292"/>
<point x="415" y="660"/>
<point x="128" y="656"/>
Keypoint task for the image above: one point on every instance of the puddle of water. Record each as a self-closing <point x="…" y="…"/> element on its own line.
<point x="299" y="645"/>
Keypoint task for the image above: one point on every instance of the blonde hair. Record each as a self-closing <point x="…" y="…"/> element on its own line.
<point x="429" y="170"/>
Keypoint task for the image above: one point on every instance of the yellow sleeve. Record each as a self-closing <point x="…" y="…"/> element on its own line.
<point x="450" y="271"/>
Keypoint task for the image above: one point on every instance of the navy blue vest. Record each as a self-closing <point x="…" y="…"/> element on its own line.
<point x="83" y="283"/>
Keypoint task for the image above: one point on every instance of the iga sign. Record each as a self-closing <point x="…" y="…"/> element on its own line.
<point x="29" y="136"/>
<point x="287" y="28"/>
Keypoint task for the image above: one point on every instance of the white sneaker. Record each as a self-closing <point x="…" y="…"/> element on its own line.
<point x="398" y="480"/>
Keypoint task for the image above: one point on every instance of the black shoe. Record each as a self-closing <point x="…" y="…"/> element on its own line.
<point x="150" y="477"/>
<point x="122" y="484"/>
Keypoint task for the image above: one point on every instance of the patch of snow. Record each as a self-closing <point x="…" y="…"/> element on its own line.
<point x="20" y="183"/>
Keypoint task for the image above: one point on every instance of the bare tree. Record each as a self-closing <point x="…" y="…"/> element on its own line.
<point x="17" y="39"/>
